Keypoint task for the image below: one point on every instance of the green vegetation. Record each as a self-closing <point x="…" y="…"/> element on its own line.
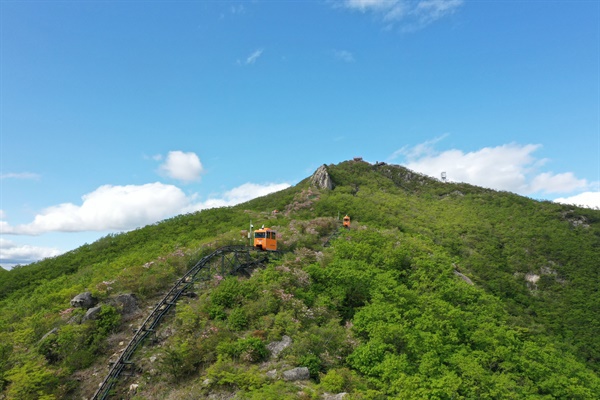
<point x="378" y="311"/>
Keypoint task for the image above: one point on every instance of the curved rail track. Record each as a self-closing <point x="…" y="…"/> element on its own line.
<point x="225" y="260"/>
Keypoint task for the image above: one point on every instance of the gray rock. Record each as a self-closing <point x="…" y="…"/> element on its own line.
<point x="92" y="313"/>
<point x="272" y="374"/>
<point x="54" y="331"/>
<point x="296" y="374"/>
<point x="84" y="300"/>
<point x="464" y="277"/>
<point x="277" y="347"/>
<point x="126" y="303"/>
<point x="321" y="178"/>
<point x="339" y="396"/>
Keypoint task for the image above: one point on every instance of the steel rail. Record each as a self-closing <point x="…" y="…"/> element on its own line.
<point x="161" y="309"/>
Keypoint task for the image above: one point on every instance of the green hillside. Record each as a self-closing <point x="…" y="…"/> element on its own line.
<point x="438" y="290"/>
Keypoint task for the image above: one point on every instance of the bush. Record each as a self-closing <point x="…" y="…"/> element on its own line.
<point x="251" y="349"/>
<point x="237" y="320"/>
<point x="313" y="363"/>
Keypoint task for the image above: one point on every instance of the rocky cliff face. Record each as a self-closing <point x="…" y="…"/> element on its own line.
<point x="321" y="178"/>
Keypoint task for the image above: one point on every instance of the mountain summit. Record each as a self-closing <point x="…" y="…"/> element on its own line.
<point x="436" y="290"/>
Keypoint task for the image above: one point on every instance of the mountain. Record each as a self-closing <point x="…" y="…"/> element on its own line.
<point x="437" y="290"/>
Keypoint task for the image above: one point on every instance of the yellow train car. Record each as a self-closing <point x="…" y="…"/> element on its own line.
<point x="265" y="239"/>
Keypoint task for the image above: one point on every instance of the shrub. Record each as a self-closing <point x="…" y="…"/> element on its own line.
<point x="313" y="363"/>
<point x="333" y="381"/>
<point x="251" y="349"/>
<point x="237" y="320"/>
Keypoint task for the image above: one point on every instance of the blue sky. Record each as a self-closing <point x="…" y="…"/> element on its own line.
<point x="114" y="115"/>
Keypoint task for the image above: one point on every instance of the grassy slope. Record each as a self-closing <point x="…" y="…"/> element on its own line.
<point x="495" y="238"/>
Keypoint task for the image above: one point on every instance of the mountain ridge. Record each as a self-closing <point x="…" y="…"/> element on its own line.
<point x="533" y="265"/>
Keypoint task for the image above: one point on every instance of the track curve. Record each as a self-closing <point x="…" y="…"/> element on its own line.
<point x="239" y="261"/>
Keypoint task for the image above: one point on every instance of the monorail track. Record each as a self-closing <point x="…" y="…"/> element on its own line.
<point x="233" y="259"/>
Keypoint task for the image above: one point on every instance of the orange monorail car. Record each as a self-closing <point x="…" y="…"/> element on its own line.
<point x="265" y="239"/>
<point x="347" y="222"/>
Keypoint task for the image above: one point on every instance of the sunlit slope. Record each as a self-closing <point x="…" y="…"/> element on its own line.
<point x="378" y="311"/>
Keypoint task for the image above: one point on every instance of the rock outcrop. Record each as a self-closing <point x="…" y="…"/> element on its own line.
<point x="92" y="313"/>
<point x="84" y="300"/>
<point x="126" y="303"/>
<point x="277" y="347"/>
<point x="464" y="277"/>
<point x="321" y="178"/>
<point x="296" y="374"/>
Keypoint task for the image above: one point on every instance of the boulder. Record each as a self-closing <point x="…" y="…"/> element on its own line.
<point x="272" y="374"/>
<point x="321" y="178"/>
<point x="92" y="313"/>
<point x="339" y="396"/>
<point x="84" y="300"/>
<point x="296" y="374"/>
<point x="126" y="303"/>
<point x="277" y="347"/>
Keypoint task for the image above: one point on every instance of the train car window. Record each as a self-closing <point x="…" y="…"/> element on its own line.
<point x="268" y="235"/>
<point x="259" y="235"/>
<point x="273" y="235"/>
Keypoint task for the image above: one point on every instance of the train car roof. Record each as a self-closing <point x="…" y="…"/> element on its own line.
<point x="264" y="230"/>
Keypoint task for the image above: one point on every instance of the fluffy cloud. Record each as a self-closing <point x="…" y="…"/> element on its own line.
<point x="240" y="194"/>
<point x="510" y="167"/>
<point x="12" y="253"/>
<point x="121" y="208"/>
<point x="415" y="14"/>
<point x="586" y="199"/>
<point x="182" y="166"/>
<point x="108" y="208"/>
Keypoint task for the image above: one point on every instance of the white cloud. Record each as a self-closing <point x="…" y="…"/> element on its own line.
<point x="510" y="167"/>
<point x="12" y="253"/>
<point x="108" y="208"/>
<point x="548" y="182"/>
<point x="2" y="214"/>
<point x="414" y="14"/>
<point x="364" y="5"/>
<point x="586" y="199"/>
<point x="428" y="11"/>
<point x="121" y="208"/>
<point x="240" y="194"/>
<point x="19" y="175"/>
<point x="344" y="55"/>
<point x="182" y="166"/>
<point x="254" y="56"/>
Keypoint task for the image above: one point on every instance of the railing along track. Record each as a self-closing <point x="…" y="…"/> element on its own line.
<point x="234" y="265"/>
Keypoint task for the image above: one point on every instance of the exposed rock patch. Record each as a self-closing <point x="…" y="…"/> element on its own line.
<point x="92" y="313"/>
<point x="277" y="347"/>
<point x="339" y="396"/>
<point x="296" y="374"/>
<point x="321" y="178"/>
<point x="464" y="278"/>
<point x="126" y="303"/>
<point x="84" y="300"/>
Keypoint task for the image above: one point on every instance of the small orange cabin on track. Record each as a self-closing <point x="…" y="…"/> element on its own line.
<point x="346" y="222"/>
<point x="265" y="239"/>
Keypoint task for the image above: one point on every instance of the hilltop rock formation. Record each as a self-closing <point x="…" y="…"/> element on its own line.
<point x="321" y="178"/>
